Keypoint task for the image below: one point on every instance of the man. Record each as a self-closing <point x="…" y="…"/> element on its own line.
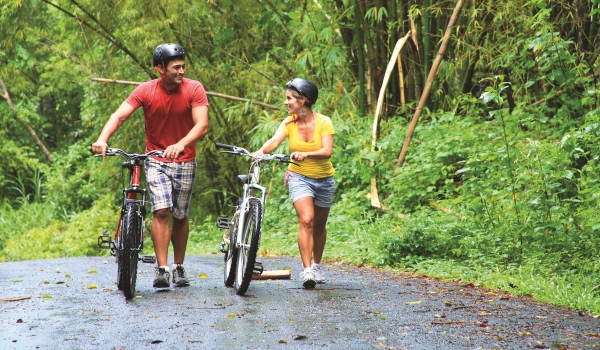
<point x="176" y="118"/>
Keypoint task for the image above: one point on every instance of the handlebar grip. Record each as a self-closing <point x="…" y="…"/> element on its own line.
<point x="222" y="145"/>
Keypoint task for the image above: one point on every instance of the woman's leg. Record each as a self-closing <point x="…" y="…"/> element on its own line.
<point x="319" y="232"/>
<point x="306" y="219"/>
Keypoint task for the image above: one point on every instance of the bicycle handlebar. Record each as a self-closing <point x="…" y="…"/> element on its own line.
<point x="284" y="158"/>
<point x="130" y="156"/>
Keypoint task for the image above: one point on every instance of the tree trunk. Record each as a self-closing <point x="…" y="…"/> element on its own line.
<point x="39" y="142"/>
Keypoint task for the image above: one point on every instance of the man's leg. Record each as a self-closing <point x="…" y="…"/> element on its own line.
<point x="179" y="237"/>
<point x="161" y="235"/>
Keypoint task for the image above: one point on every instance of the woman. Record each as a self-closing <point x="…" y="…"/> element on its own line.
<point x="311" y="185"/>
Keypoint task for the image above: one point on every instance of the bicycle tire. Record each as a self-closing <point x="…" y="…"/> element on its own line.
<point x="128" y="253"/>
<point x="249" y="248"/>
<point x="230" y="257"/>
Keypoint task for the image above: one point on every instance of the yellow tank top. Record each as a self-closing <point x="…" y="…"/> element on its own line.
<point x="310" y="167"/>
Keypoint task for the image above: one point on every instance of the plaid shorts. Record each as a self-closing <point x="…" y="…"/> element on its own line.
<point x="171" y="185"/>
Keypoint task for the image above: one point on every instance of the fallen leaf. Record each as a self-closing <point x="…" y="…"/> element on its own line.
<point x="67" y="276"/>
<point x="195" y="341"/>
<point x="46" y="282"/>
<point x="15" y="281"/>
<point x="412" y="302"/>
<point x="231" y="315"/>
<point x="20" y="320"/>
<point x="92" y="271"/>
<point x="448" y="303"/>
<point x="203" y="275"/>
<point x="541" y="317"/>
<point x="156" y="341"/>
<point x="300" y="337"/>
<point x="92" y="286"/>
<point x="137" y="297"/>
<point x="46" y="296"/>
<point x="282" y="341"/>
<point x="439" y="316"/>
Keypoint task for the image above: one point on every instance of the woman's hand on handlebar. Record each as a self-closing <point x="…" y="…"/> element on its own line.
<point x="299" y="156"/>
<point x="99" y="147"/>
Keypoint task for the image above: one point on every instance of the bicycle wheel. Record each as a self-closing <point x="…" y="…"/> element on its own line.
<point x="128" y="252"/>
<point x="231" y="254"/>
<point x="250" y="242"/>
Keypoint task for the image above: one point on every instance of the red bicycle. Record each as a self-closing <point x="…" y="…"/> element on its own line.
<point x="127" y="242"/>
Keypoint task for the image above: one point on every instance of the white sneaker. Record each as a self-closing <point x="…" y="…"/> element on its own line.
<point x="318" y="272"/>
<point x="308" y="278"/>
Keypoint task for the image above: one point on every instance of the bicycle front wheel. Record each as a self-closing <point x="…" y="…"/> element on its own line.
<point x="249" y="245"/>
<point x="231" y="255"/>
<point x="128" y="252"/>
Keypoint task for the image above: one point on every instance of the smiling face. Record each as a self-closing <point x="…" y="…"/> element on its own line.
<point x="172" y="76"/>
<point x="294" y="102"/>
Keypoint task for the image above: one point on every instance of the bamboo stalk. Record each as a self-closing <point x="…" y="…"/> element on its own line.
<point x="429" y="83"/>
<point x="209" y="93"/>
<point x="274" y="275"/>
<point x="375" y="202"/>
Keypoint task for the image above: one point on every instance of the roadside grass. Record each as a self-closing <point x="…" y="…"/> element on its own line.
<point x="357" y="237"/>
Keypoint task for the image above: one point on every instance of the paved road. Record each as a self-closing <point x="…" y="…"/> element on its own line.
<point x="360" y="308"/>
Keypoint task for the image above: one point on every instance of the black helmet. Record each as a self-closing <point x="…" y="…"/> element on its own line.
<point x="306" y="88"/>
<point x="164" y="52"/>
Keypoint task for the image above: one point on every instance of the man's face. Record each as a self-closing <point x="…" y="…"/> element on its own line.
<point x="174" y="72"/>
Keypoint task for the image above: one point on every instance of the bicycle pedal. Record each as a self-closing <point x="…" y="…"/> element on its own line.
<point x="148" y="259"/>
<point x="258" y="269"/>
<point x="223" y="222"/>
<point x="222" y="248"/>
<point x="105" y="241"/>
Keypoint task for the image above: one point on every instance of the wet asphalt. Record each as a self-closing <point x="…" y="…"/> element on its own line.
<point x="73" y="303"/>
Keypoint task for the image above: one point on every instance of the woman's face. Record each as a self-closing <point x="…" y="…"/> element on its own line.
<point x="294" y="104"/>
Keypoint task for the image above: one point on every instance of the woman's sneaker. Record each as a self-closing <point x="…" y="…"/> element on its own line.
<point x="162" y="278"/>
<point x="308" y="278"/>
<point x="179" y="277"/>
<point x="318" y="272"/>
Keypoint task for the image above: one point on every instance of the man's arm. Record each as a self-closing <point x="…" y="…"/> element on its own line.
<point x="200" y="118"/>
<point x="114" y="122"/>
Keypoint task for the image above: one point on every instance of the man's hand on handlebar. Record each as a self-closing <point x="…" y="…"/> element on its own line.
<point x="99" y="147"/>
<point x="172" y="152"/>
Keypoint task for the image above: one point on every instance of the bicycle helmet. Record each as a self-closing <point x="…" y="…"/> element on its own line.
<point x="167" y="52"/>
<point x="306" y="88"/>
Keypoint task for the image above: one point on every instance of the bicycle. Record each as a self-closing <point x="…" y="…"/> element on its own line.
<point x="241" y="239"/>
<point x="127" y="241"/>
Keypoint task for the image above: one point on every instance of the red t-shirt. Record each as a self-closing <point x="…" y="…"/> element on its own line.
<point x="168" y="115"/>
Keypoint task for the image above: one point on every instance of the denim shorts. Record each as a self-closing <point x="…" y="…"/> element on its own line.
<point x="170" y="185"/>
<point x="322" y="190"/>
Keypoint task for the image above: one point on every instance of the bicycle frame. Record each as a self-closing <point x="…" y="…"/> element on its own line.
<point x="127" y="241"/>
<point x="243" y="242"/>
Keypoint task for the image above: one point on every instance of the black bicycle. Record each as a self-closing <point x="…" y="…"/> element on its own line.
<point x="127" y="241"/>
<point x="241" y="239"/>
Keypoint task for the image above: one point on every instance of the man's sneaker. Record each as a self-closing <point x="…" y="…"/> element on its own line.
<point x="179" y="277"/>
<point x="308" y="279"/>
<point x="318" y="271"/>
<point x="162" y="278"/>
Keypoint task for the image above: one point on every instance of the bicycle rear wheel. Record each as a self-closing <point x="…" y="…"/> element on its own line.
<point x="250" y="243"/>
<point x="128" y="252"/>
<point x="231" y="254"/>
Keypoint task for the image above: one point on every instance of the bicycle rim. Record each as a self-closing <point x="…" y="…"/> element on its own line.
<point x="249" y="248"/>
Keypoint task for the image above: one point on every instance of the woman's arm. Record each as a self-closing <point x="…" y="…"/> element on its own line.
<point x="272" y="144"/>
